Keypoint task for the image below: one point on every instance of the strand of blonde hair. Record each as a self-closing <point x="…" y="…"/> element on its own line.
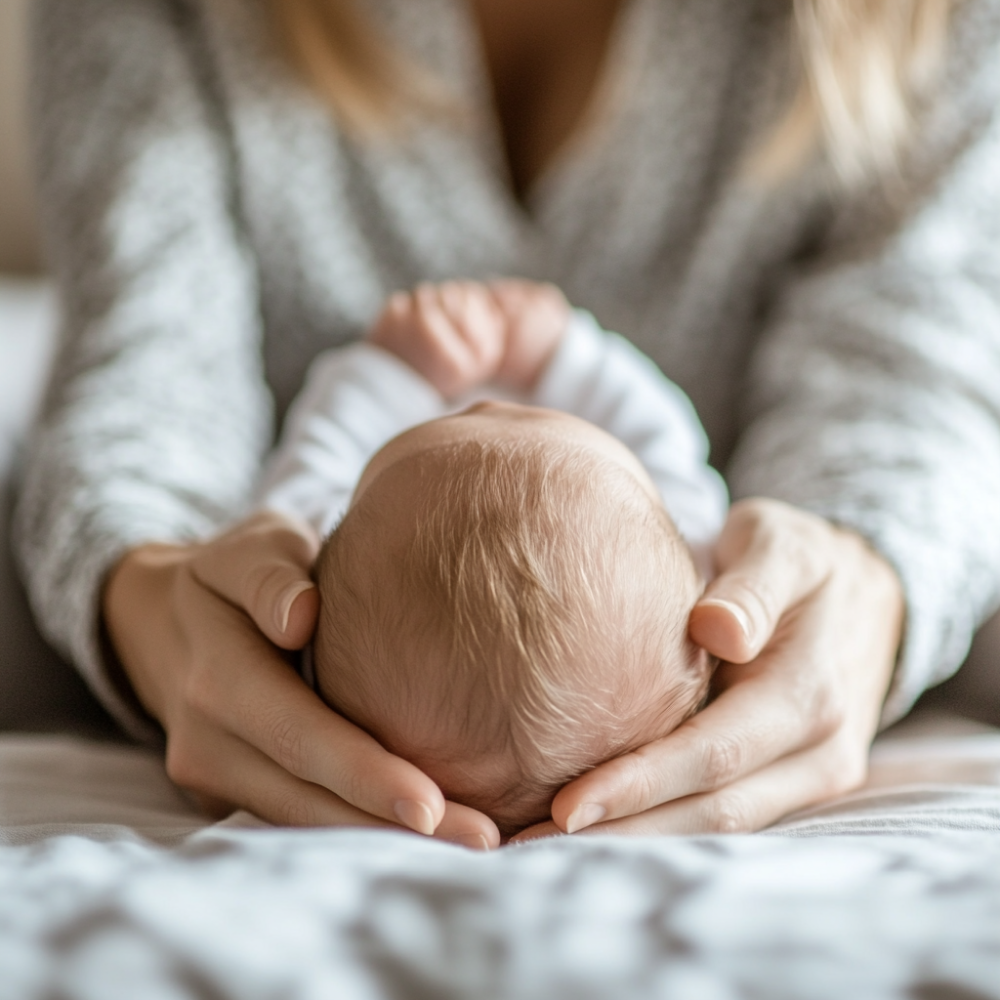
<point x="864" y="67"/>
<point x="863" y="64"/>
<point x="366" y="82"/>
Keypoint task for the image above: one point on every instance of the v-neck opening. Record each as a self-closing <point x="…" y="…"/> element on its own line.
<point x="529" y="207"/>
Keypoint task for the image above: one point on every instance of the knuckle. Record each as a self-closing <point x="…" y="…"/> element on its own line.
<point x="286" y="741"/>
<point x="399" y="308"/>
<point x="263" y="582"/>
<point x="641" y="777"/>
<point x="729" y="813"/>
<point x="796" y="538"/>
<point x="723" y="758"/>
<point x="293" y="808"/>
<point x="287" y="541"/>
<point x="183" y="766"/>
<point x="761" y="600"/>
<point x="759" y="514"/>
<point x="200" y="689"/>
<point x="188" y="586"/>
<point x="828" y="713"/>
<point x="197" y="692"/>
<point x="846" y="769"/>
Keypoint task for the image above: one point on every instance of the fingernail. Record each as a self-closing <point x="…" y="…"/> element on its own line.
<point x="742" y="618"/>
<point x="473" y="841"/>
<point x="416" y="815"/>
<point x="285" y="604"/>
<point x="586" y="815"/>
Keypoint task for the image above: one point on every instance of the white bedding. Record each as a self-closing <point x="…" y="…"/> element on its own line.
<point x="111" y="886"/>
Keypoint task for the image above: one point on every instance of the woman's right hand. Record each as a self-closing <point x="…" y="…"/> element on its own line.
<point x="196" y="629"/>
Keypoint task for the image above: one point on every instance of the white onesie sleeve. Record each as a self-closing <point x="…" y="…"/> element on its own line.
<point x="602" y="378"/>
<point x="357" y="398"/>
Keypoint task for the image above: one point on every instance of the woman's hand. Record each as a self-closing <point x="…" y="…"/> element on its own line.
<point x="196" y="630"/>
<point x="807" y="619"/>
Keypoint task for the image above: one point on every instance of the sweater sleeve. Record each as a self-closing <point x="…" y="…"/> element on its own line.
<point x="875" y="396"/>
<point x="602" y="378"/>
<point x="356" y="399"/>
<point x="158" y="414"/>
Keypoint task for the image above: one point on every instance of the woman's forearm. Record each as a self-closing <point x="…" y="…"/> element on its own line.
<point x="875" y="403"/>
<point x="914" y="470"/>
<point x="159" y="413"/>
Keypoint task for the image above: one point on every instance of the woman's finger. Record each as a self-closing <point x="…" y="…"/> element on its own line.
<point x="540" y="831"/>
<point x="763" y="714"/>
<point x="253" y="694"/>
<point x="263" y="566"/>
<point x="225" y="764"/>
<point x="755" y="802"/>
<point x="770" y="556"/>
<point x="468" y="828"/>
<point x="219" y="766"/>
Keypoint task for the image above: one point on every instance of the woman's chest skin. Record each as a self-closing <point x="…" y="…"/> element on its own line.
<point x="544" y="60"/>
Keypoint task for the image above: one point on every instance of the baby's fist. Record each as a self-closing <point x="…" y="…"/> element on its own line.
<point x="536" y="317"/>
<point x="453" y="334"/>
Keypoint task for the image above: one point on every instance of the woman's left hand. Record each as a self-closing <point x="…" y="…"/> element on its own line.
<point x="807" y="620"/>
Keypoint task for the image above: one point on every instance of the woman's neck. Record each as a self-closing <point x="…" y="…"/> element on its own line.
<point x="545" y="59"/>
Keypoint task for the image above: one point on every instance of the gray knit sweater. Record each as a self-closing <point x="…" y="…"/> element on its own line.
<point x="212" y="230"/>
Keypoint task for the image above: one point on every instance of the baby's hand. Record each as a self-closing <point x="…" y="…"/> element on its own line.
<point x="536" y="318"/>
<point x="453" y="334"/>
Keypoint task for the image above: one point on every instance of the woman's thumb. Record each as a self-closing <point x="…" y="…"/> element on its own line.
<point x="770" y="556"/>
<point x="262" y="566"/>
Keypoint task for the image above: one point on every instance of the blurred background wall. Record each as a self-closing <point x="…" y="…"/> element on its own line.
<point x="19" y="251"/>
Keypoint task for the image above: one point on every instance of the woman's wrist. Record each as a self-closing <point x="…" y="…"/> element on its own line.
<point x="885" y="605"/>
<point x="137" y="587"/>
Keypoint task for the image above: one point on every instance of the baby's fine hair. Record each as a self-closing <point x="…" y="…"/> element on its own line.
<point x="534" y="610"/>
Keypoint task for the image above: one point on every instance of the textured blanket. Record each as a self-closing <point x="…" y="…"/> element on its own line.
<point x="112" y="887"/>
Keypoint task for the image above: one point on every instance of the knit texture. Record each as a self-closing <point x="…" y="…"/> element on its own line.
<point x="212" y="230"/>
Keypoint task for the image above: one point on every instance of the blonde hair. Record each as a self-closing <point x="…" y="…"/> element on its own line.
<point x="365" y="80"/>
<point x="518" y="619"/>
<point x="863" y="67"/>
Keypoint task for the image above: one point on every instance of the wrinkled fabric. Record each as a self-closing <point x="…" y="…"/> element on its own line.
<point x="112" y="886"/>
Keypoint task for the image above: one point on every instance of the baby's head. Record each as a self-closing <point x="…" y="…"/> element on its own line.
<point x="505" y="605"/>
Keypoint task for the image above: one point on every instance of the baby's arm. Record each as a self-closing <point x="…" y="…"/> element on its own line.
<point x="463" y="334"/>
<point x="602" y="378"/>
<point x="427" y="346"/>
<point x="355" y="400"/>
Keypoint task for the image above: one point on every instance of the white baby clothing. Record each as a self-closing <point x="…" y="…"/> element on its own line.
<point x="356" y="399"/>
